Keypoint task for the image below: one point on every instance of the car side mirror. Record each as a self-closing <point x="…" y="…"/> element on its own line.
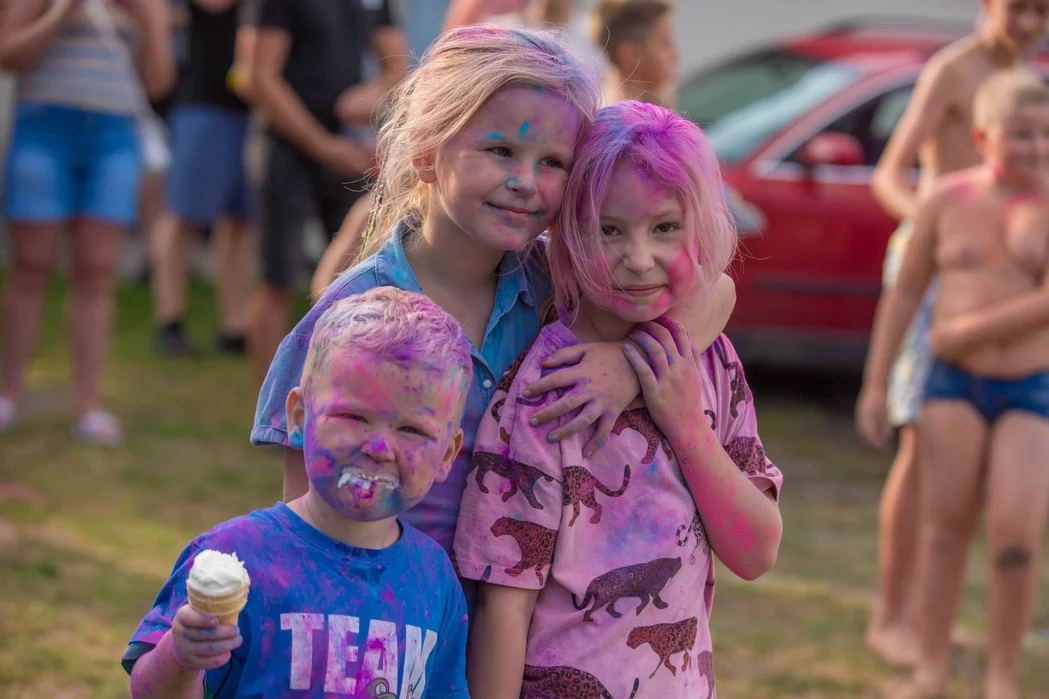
<point x="831" y="148"/>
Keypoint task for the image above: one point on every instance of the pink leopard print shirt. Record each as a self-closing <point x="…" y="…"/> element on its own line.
<point x="614" y="542"/>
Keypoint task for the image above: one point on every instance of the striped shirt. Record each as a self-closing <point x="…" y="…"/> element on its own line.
<point x="81" y="68"/>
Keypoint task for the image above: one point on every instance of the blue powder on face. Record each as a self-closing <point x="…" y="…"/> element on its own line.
<point x="524" y="129"/>
<point x="495" y="136"/>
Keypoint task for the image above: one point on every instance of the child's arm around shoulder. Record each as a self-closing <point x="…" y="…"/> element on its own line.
<point x="704" y="314"/>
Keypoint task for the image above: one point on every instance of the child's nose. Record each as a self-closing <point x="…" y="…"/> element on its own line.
<point x="639" y="258"/>
<point x="378" y="449"/>
<point x="522" y="180"/>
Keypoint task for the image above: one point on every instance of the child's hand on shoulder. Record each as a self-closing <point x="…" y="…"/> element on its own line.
<point x="671" y="381"/>
<point x="199" y="642"/>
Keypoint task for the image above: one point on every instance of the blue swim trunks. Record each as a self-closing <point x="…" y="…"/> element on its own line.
<point x="990" y="397"/>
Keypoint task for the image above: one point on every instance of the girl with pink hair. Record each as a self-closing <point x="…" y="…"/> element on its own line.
<point x="557" y="536"/>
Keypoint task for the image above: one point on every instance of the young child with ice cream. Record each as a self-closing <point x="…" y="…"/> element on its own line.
<point x="344" y="599"/>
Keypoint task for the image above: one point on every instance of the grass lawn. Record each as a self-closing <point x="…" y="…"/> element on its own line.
<point x="88" y="536"/>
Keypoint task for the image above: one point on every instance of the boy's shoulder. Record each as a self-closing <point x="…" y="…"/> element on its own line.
<point x="241" y="532"/>
<point x="421" y="550"/>
<point x="551" y="338"/>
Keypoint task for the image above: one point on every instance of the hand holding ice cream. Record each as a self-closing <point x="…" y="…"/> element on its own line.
<point x="204" y="632"/>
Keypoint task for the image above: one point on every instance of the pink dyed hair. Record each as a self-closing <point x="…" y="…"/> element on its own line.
<point x="664" y="147"/>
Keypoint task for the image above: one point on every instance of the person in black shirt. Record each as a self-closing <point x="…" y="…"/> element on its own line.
<point x="307" y="82"/>
<point x="207" y="184"/>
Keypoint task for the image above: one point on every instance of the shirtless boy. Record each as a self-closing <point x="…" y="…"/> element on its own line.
<point x="934" y="132"/>
<point x="984" y="231"/>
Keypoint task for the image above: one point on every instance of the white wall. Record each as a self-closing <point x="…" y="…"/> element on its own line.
<point x="711" y="29"/>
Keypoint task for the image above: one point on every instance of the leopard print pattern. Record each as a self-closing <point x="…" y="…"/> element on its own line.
<point x="694" y="529"/>
<point x="740" y="390"/>
<point x="748" y="455"/>
<point x="506" y="382"/>
<point x="535" y="541"/>
<point x="580" y="488"/>
<point x="641" y="422"/>
<point x="705" y="665"/>
<point x="667" y="640"/>
<point x="561" y="681"/>
<point x="644" y="581"/>
<point x="521" y="476"/>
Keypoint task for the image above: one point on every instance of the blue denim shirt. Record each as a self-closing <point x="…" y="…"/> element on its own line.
<point x="524" y="284"/>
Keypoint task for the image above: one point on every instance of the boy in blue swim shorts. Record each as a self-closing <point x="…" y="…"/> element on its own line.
<point x="984" y="233"/>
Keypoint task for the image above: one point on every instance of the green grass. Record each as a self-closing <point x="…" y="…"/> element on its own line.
<point x="87" y="554"/>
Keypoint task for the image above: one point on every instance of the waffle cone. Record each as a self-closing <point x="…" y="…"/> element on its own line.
<point x="225" y="607"/>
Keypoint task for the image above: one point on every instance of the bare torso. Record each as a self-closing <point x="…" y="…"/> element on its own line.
<point x="965" y="64"/>
<point x="989" y="249"/>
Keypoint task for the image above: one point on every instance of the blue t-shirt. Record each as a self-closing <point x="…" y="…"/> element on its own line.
<point x="324" y="618"/>
<point x="523" y="286"/>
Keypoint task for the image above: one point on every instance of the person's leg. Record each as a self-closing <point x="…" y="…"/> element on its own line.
<point x="233" y="249"/>
<point x="38" y="202"/>
<point x="96" y="250"/>
<point x="952" y="448"/>
<point x="285" y="202"/>
<point x="34" y="247"/>
<point x="234" y="245"/>
<point x="172" y="239"/>
<point x="893" y="631"/>
<point x="1017" y="506"/>
<point x="201" y="185"/>
<point x="893" y="634"/>
<point x="107" y="209"/>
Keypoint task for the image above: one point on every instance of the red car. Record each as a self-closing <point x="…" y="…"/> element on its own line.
<point x="799" y="127"/>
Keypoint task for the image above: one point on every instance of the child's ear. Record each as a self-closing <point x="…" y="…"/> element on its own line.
<point x="454" y="445"/>
<point x="424" y="169"/>
<point x="296" y="415"/>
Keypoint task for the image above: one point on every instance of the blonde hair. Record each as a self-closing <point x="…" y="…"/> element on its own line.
<point x="455" y="77"/>
<point x="400" y="326"/>
<point x="1004" y="92"/>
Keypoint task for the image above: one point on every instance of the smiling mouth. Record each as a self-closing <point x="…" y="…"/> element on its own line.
<point x="514" y="211"/>
<point x="640" y="291"/>
<point x="366" y="483"/>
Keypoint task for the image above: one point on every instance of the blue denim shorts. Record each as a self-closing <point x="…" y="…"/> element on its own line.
<point x="208" y="179"/>
<point x="67" y="163"/>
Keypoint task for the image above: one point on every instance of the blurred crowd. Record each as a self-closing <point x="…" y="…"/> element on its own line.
<point x="243" y="124"/>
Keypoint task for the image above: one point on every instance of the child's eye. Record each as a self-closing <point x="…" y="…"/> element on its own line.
<point x="409" y="429"/>
<point x="501" y="151"/>
<point x="553" y="162"/>
<point x="355" y="417"/>
<point x="667" y="227"/>
<point x="609" y="230"/>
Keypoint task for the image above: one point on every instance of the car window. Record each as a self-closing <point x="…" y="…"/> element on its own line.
<point x="742" y="103"/>
<point x="871" y="123"/>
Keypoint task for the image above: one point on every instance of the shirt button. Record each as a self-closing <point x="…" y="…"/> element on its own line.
<point x="486" y="384"/>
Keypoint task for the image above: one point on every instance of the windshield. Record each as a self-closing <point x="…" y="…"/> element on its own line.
<point x="742" y="103"/>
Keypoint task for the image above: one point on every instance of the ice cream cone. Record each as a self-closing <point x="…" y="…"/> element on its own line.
<point x="224" y="607"/>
